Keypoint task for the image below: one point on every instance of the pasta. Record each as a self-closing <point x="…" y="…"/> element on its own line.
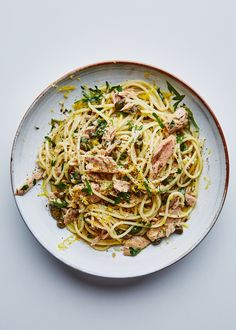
<point x="123" y="166"/>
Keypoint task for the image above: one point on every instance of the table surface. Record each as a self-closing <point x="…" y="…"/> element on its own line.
<point x="194" y="40"/>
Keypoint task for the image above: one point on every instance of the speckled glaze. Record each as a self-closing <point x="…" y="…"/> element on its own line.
<point x="213" y="183"/>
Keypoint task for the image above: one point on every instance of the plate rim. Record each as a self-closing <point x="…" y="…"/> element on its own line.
<point x="189" y="88"/>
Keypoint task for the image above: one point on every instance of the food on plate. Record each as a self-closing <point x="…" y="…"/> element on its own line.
<point x="122" y="166"/>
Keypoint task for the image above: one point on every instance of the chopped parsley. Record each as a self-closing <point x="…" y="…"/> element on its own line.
<point x="178" y="97"/>
<point x="91" y="94"/>
<point x="134" y="251"/>
<point x="182" y="190"/>
<point x="158" y="119"/>
<point x="191" y="119"/>
<point x="161" y="95"/>
<point x="61" y="186"/>
<point x="110" y="88"/>
<point x="135" y="230"/>
<point x="130" y="125"/>
<point x="179" y="137"/>
<point x="88" y="189"/>
<point x="125" y="196"/>
<point x="147" y="188"/>
<point x="59" y="204"/>
<point x="179" y="171"/>
<point x="183" y="147"/>
<point x="102" y="124"/>
<point x="50" y="140"/>
<point x="34" y="182"/>
<point x="36" y="127"/>
<point x="123" y="155"/>
<point x="53" y="162"/>
<point x="85" y="143"/>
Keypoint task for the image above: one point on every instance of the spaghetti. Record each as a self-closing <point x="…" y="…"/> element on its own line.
<point x="123" y="166"/>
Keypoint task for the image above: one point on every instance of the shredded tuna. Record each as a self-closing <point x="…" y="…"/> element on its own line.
<point x="121" y="185"/>
<point x="36" y="176"/>
<point x="178" y="121"/>
<point x="161" y="157"/>
<point x="101" y="164"/>
<point x="108" y="136"/>
<point x="190" y="199"/>
<point x="136" y="242"/>
<point x="70" y="215"/>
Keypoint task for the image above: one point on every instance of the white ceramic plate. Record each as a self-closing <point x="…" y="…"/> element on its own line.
<point x="79" y="255"/>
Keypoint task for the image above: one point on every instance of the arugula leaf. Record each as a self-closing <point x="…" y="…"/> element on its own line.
<point x="59" y="204"/>
<point x="88" y="189"/>
<point x="147" y="188"/>
<point x="125" y="196"/>
<point x="135" y="230"/>
<point x="158" y="119"/>
<point x="191" y="118"/>
<point x="91" y="94"/>
<point x="133" y="251"/>
<point x="178" y="97"/>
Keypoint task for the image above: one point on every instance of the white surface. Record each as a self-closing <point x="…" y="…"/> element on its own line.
<point x="80" y="256"/>
<point x="39" y="42"/>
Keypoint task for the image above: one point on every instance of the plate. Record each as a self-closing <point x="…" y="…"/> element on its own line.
<point x="77" y="254"/>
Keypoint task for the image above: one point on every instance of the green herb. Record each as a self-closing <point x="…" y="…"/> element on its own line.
<point x="119" y="231"/>
<point x="34" y="182"/>
<point x="182" y="190"/>
<point x="102" y="124"/>
<point x="76" y="176"/>
<point x="191" y="118"/>
<point x="88" y="189"/>
<point x="50" y="140"/>
<point x="161" y="95"/>
<point x="179" y="171"/>
<point x="109" y="88"/>
<point x="147" y="188"/>
<point x="85" y="143"/>
<point x="25" y="187"/>
<point x="36" y="127"/>
<point x="61" y="186"/>
<point x="55" y="122"/>
<point x="179" y="137"/>
<point x="183" y="147"/>
<point x="60" y="204"/>
<point x="91" y="94"/>
<point x="158" y="119"/>
<point x="135" y="230"/>
<point x="125" y="196"/>
<point x="130" y="125"/>
<point x="138" y="128"/>
<point x="133" y="251"/>
<point x="53" y="162"/>
<point x="168" y="180"/>
<point x="178" y="97"/>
